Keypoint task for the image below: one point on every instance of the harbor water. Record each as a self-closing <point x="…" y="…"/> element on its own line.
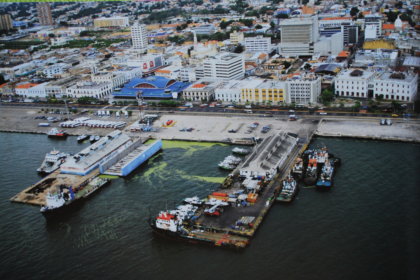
<point x="366" y="227"/>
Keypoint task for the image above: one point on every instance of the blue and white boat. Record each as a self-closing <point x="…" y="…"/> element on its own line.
<point x="325" y="180"/>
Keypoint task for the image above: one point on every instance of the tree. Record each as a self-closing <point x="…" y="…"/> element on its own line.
<point x="307" y="66"/>
<point x="399" y="5"/>
<point x="341" y="105"/>
<point x="2" y="80"/>
<point x="371" y="102"/>
<point x="354" y="11"/>
<point x="51" y="35"/>
<point x="239" y="49"/>
<point x="258" y="26"/>
<point x="286" y="64"/>
<point x="345" y="5"/>
<point x="327" y="95"/>
<point x="380" y="97"/>
<point x="178" y="28"/>
<point x="272" y="24"/>
<point x="361" y="15"/>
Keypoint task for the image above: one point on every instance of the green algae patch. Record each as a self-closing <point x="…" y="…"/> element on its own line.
<point x="108" y="176"/>
<point x="185" y="176"/>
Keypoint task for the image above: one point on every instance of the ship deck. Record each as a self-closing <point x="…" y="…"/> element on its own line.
<point x="220" y="238"/>
<point x="36" y="193"/>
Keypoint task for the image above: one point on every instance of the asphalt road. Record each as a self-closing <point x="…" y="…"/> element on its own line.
<point x="196" y="109"/>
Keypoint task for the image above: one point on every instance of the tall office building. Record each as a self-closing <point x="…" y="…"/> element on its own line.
<point x="44" y="14"/>
<point x="5" y="22"/>
<point x="258" y="44"/>
<point x="376" y="20"/>
<point x="350" y="34"/>
<point x="138" y="36"/>
<point x="298" y="36"/>
<point x="225" y="66"/>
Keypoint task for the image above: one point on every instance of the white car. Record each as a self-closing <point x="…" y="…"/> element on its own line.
<point x="291" y="111"/>
<point x="230" y="106"/>
<point x="247" y="131"/>
<point x="322" y="113"/>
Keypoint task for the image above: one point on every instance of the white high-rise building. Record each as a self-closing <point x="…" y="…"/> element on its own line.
<point x="225" y="66"/>
<point x="138" y="36"/>
<point x="258" y="44"/>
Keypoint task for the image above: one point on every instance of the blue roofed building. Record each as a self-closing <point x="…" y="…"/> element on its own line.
<point x="151" y="88"/>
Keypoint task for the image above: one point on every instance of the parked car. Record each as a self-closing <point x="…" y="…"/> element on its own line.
<point x="230" y="106"/>
<point x="182" y="109"/>
<point x="323" y="113"/>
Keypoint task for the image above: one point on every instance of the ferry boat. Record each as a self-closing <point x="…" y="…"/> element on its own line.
<point x="196" y="201"/>
<point x="82" y="137"/>
<point x="240" y="151"/>
<point x="58" y="203"/>
<point x="311" y="171"/>
<point x="56" y="133"/>
<point x="289" y="189"/>
<point x="52" y="161"/>
<point x="325" y="181"/>
<point x="175" y="226"/>
<point x="298" y="169"/>
<point x="225" y="165"/>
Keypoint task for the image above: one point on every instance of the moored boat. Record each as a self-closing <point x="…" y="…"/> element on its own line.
<point x="240" y="151"/>
<point x="226" y="166"/>
<point x="92" y="138"/>
<point x="82" y="137"/>
<point x="311" y="173"/>
<point x="196" y="201"/>
<point x="289" y="189"/>
<point x="56" y="133"/>
<point x="298" y="169"/>
<point x="52" y="161"/>
<point x="325" y="181"/>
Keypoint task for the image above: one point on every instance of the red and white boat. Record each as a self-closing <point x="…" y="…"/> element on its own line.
<point x="56" y="133"/>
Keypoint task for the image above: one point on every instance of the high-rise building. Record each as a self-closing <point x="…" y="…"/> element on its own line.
<point x="5" y="22"/>
<point x="298" y="36"/>
<point x="44" y="14"/>
<point x="225" y="66"/>
<point x="376" y="20"/>
<point x="138" y="36"/>
<point x="350" y="34"/>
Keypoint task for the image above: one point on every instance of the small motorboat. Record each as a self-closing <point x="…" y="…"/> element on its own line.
<point x="82" y="137"/>
<point x="97" y="138"/>
<point x="92" y="138"/>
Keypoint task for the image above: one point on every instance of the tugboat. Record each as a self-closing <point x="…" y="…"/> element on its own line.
<point x="240" y="151"/>
<point x="289" y="189"/>
<point x="52" y="162"/>
<point x="82" y="137"/>
<point x="298" y="170"/>
<point x="56" y="133"/>
<point x="325" y="181"/>
<point x="311" y="172"/>
<point x="322" y="156"/>
<point x="193" y="201"/>
<point x="226" y="166"/>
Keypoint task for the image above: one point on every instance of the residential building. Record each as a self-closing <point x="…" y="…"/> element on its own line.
<point x="170" y="72"/>
<point x="53" y="70"/>
<point x="129" y="72"/>
<point x="236" y="37"/>
<point x="116" y="79"/>
<point x="374" y="20"/>
<point x="90" y="89"/>
<point x="385" y="58"/>
<point x="203" y="89"/>
<point x="148" y="63"/>
<point x="199" y="72"/>
<point x="6" y="22"/>
<point x="205" y="29"/>
<point x="31" y="90"/>
<point x="44" y="14"/>
<point x="224" y="66"/>
<point x="111" y="22"/>
<point x="230" y="91"/>
<point x="298" y="35"/>
<point x="395" y="86"/>
<point x="350" y="34"/>
<point x="329" y="26"/>
<point x="353" y="83"/>
<point x="258" y="44"/>
<point x="138" y="37"/>
<point x="329" y="46"/>
<point x="371" y="32"/>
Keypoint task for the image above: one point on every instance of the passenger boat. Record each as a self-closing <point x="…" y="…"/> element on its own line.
<point x="82" y="137"/>
<point x="298" y="169"/>
<point x="311" y="171"/>
<point x="52" y="161"/>
<point x="240" y="151"/>
<point x="289" y="189"/>
<point x="196" y="201"/>
<point x="325" y="181"/>
<point x="56" y="133"/>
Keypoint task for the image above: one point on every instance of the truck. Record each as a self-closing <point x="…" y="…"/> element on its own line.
<point x="293" y="117"/>
<point x="189" y="105"/>
<point x="28" y="101"/>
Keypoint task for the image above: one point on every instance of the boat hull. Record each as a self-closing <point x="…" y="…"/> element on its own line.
<point x="309" y="181"/>
<point x="289" y="198"/>
<point x="225" y="168"/>
<point x="323" y="186"/>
